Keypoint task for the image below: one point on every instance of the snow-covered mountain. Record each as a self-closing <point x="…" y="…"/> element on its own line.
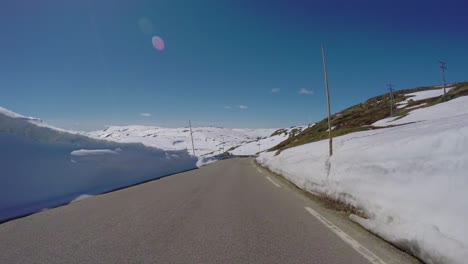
<point x="208" y="141"/>
<point x="265" y="143"/>
<point x="42" y="166"/>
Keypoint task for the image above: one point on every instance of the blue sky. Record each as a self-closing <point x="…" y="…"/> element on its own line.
<point x="88" y="64"/>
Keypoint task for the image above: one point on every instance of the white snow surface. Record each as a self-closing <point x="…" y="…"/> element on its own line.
<point x="33" y="120"/>
<point x="452" y="108"/>
<point x="84" y="152"/>
<point x="416" y="96"/>
<point x="411" y="181"/>
<point x="81" y="197"/>
<point x="254" y="147"/>
<point x="208" y="141"/>
<point x="10" y="113"/>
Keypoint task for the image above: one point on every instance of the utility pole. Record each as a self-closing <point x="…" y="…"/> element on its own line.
<point x="443" y="68"/>
<point x="330" y="143"/>
<point x="191" y="135"/>
<point x="390" y="88"/>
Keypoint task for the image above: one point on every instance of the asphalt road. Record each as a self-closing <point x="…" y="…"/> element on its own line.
<point x="227" y="212"/>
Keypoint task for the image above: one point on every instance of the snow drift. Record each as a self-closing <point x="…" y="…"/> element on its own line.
<point x="42" y="167"/>
<point x="411" y="180"/>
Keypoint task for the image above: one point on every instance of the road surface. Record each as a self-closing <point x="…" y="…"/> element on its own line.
<point x="228" y="212"/>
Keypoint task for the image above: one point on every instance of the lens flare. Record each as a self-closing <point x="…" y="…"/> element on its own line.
<point x="158" y="43"/>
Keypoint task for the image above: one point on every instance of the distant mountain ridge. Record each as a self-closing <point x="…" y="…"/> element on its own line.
<point x="207" y="140"/>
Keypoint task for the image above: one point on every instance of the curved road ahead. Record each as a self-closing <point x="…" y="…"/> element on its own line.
<point x="228" y="212"/>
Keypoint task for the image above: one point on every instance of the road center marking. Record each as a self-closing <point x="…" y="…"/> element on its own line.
<point x="277" y="185"/>
<point x="366" y="253"/>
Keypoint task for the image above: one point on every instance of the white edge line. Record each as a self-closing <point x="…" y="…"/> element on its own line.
<point x="259" y="170"/>
<point x="277" y="185"/>
<point x="366" y="253"/>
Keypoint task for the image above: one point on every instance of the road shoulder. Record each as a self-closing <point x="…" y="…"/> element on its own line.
<point x="340" y="218"/>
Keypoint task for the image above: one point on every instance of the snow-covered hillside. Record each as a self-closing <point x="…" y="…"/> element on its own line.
<point x="43" y="167"/>
<point x="208" y="141"/>
<point x="265" y="143"/>
<point x="439" y="111"/>
<point x="411" y="180"/>
<point x="417" y="96"/>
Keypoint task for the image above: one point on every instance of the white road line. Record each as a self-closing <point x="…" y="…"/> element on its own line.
<point x="277" y="185"/>
<point x="366" y="253"/>
<point x="259" y="170"/>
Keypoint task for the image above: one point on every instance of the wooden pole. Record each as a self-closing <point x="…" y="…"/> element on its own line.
<point x="328" y="104"/>
<point x="443" y="68"/>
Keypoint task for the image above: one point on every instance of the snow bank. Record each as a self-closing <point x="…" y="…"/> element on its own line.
<point x="85" y="152"/>
<point x="410" y="180"/>
<point x="41" y="167"/>
<point x="81" y="197"/>
<point x="32" y="120"/>
<point x="10" y="113"/>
